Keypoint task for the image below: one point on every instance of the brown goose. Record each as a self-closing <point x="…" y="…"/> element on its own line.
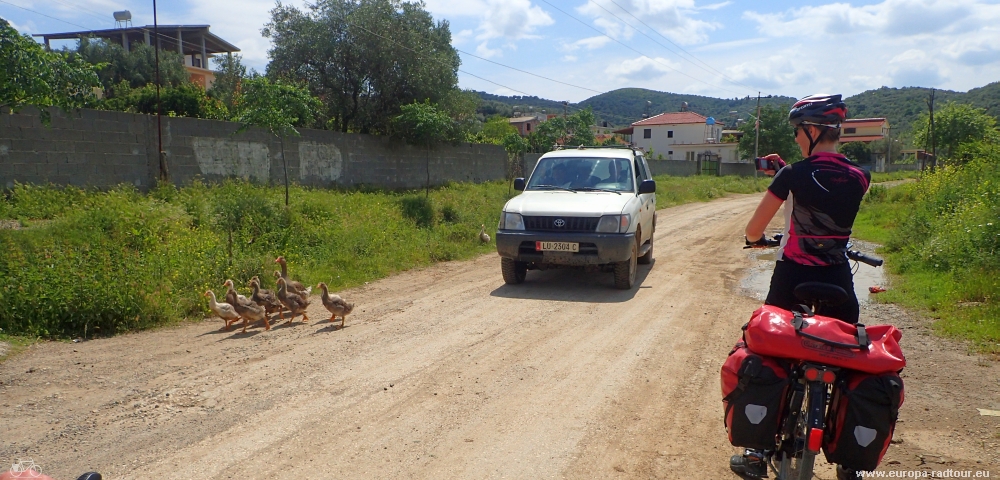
<point x="336" y="305"/>
<point x="264" y="298"/>
<point x="293" y="285"/>
<point x="294" y="302"/>
<point x="246" y="308"/>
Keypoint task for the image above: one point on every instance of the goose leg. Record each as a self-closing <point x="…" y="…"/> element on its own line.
<point x="245" y="323"/>
<point x="305" y="318"/>
<point x="267" y="325"/>
<point x="342" y="320"/>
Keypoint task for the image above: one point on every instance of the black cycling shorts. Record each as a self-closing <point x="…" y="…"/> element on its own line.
<point x="787" y="275"/>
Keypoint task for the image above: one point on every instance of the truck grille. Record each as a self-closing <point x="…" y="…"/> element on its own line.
<point x="569" y="224"/>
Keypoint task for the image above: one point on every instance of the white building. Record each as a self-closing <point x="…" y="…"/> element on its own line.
<point x="681" y="136"/>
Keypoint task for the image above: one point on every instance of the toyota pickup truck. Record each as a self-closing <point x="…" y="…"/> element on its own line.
<point x="580" y="207"/>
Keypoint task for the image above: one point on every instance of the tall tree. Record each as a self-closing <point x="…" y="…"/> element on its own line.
<point x="229" y="73"/>
<point x="29" y="75"/>
<point x="955" y="124"/>
<point x="136" y="67"/>
<point x="276" y="106"/>
<point x="363" y="58"/>
<point x="776" y="135"/>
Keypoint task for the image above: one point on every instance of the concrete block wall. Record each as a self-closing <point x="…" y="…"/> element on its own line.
<point x="741" y="169"/>
<point x="94" y="148"/>
<point x="676" y="168"/>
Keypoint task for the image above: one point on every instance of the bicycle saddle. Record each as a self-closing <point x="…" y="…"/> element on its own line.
<point x="816" y="293"/>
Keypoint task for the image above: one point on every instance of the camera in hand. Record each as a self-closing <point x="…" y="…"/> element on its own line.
<point x="765" y="164"/>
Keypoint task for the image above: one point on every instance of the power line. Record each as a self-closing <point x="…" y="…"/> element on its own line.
<point x="160" y="36"/>
<point x="634" y="50"/>
<point x="709" y="69"/>
<point x="529" y="73"/>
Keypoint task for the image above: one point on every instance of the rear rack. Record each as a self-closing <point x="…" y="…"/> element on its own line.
<point x="585" y="147"/>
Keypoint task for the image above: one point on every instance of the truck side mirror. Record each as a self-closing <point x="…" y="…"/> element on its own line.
<point x="647" y="186"/>
<point x="519" y="184"/>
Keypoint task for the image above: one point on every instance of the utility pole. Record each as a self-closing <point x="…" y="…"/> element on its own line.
<point x="164" y="175"/>
<point x="756" y="142"/>
<point x="930" y="104"/>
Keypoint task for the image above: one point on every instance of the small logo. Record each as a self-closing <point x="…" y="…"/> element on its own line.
<point x="559" y="223"/>
<point x="25" y="468"/>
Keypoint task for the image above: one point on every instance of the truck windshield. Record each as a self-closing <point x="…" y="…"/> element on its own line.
<point x="584" y="173"/>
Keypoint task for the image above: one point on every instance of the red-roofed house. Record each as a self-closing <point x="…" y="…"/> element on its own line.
<point x="681" y="136"/>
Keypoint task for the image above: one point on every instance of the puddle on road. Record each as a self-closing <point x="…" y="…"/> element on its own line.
<point x="758" y="279"/>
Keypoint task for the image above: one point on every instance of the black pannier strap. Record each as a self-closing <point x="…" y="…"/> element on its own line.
<point x="862" y="335"/>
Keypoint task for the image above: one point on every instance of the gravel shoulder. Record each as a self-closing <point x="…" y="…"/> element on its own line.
<point x="446" y="372"/>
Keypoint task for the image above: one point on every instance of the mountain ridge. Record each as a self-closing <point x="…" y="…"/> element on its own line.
<point x="621" y="107"/>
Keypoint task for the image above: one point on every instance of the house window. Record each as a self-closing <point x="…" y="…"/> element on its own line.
<point x="529" y="127"/>
<point x="670" y="134"/>
<point x="850" y="130"/>
<point x="670" y="152"/>
<point x="647" y="133"/>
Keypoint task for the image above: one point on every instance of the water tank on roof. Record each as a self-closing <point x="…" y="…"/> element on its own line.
<point x="123" y="15"/>
<point x="710" y="121"/>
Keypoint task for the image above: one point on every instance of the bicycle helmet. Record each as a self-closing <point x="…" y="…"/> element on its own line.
<point x="821" y="110"/>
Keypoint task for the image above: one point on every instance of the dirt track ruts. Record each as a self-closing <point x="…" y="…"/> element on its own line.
<point x="445" y="372"/>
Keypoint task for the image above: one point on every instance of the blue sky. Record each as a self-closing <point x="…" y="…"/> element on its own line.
<point x="717" y="48"/>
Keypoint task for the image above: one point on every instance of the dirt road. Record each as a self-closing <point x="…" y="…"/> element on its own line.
<point x="448" y="373"/>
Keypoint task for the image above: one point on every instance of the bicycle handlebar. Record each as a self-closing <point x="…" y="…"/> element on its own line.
<point x="860" y="257"/>
<point x="855" y="255"/>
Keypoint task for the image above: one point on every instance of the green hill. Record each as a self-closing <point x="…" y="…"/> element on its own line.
<point x="621" y="107"/>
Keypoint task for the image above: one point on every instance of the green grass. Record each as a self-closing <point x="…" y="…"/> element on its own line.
<point x="91" y="263"/>
<point x="941" y="240"/>
<point x="16" y="344"/>
<point x="893" y="176"/>
<point x="671" y="191"/>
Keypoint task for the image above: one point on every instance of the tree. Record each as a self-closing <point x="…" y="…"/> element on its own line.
<point x="276" y="106"/>
<point x="776" y="135"/>
<point x="860" y="152"/>
<point x="136" y="67"/>
<point x="495" y="130"/>
<point x="184" y="100"/>
<point x="425" y="125"/>
<point x="570" y="130"/>
<point x="229" y="73"/>
<point x="364" y="58"/>
<point x="30" y="75"/>
<point x="955" y="124"/>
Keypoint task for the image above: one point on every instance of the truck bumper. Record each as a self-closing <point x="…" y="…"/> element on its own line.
<point x="595" y="248"/>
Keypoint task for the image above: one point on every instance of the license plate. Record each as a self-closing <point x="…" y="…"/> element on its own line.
<point x="557" y="247"/>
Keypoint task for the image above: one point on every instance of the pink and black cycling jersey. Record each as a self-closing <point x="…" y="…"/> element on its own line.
<point x="825" y="192"/>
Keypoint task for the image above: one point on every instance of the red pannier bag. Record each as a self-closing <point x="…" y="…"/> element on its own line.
<point x="754" y="388"/>
<point x="776" y="332"/>
<point x="861" y="419"/>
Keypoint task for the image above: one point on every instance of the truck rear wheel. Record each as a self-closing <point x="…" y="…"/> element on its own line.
<point x="513" y="272"/>
<point x="625" y="271"/>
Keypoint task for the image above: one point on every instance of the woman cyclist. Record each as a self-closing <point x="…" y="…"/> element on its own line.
<point x="821" y="195"/>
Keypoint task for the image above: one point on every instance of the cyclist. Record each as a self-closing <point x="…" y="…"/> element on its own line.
<point x="823" y="194"/>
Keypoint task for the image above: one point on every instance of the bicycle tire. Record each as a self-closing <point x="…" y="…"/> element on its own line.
<point x="806" y="464"/>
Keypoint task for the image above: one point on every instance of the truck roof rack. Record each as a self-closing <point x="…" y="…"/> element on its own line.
<point x="584" y="147"/>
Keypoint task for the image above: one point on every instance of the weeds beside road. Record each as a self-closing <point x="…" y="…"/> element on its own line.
<point x="88" y="263"/>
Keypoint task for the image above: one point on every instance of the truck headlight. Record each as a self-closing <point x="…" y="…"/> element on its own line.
<point x="614" y="223"/>
<point x="513" y="221"/>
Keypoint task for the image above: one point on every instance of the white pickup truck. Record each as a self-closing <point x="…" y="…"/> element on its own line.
<point x="580" y="207"/>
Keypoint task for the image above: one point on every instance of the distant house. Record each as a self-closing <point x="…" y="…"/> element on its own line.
<point x="195" y="42"/>
<point x="863" y="130"/>
<point x="681" y="136"/>
<point x="526" y="125"/>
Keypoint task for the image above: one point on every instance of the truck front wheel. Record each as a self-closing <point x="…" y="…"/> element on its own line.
<point x="625" y="271"/>
<point x="513" y="272"/>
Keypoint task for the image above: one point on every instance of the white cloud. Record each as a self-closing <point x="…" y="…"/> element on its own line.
<point x="671" y="18"/>
<point x="896" y="18"/>
<point x="484" y="50"/>
<point x="461" y="37"/>
<point x="512" y="20"/>
<point x="774" y="73"/>
<point x="589" y="43"/>
<point x="913" y="68"/>
<point x="458" y="8"/>
<point x="641" y="69"/>
<point x="570" y="58"/>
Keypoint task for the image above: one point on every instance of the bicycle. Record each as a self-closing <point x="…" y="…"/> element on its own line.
<point x="805" y="417"/>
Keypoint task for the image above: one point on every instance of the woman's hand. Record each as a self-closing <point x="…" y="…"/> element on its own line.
<point x="774" y="159"/>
